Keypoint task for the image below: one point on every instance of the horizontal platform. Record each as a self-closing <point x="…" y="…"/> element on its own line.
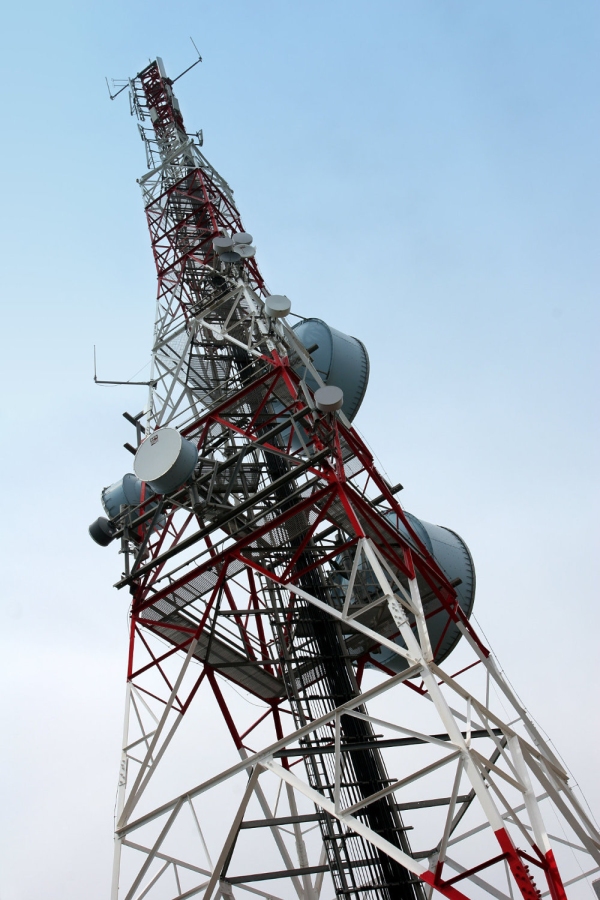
<point x="222" y="657"/>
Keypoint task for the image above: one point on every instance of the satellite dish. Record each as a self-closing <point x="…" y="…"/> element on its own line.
<point x="242" y="237"/>
<point x="222" y="244"/>
<point x="329" y="398"/>
<point x="165" y="460"/>
<point x="246" y="251"/>
<point x="277" y="306"/>
<point x="230" y="256"/>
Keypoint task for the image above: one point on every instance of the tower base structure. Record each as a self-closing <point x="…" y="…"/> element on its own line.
<point x="473" y="781"/>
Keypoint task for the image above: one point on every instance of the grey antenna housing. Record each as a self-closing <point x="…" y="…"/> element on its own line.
<point x="126" y="492"/>
<point x="338" y="358"/>
<point x="452" y="555"/>
<point x="329" y="398"/>
<point x="246" y="251"/>
<point x="223" y="244"/>
<point x="165" y="460"/>
<point x="230" y="256"/>
<point x="242" y="237"/>
<point x="277" y="306"/>
<point x="102" y="531"/>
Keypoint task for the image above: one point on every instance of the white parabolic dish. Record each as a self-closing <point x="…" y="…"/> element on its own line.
<point x="165" y="460"/>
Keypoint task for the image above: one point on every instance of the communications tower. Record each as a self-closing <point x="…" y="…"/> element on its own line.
<point x="282" y="597"/>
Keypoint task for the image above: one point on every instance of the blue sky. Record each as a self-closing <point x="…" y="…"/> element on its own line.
<point x="423" y="175"/>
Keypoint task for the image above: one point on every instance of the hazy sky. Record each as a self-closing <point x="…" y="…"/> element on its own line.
<point x="423" y="175"/>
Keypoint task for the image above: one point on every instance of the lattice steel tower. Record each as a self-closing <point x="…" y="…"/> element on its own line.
<point x="265" y="554"/>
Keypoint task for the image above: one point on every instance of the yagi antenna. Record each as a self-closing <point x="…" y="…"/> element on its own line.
<point x="199" y="60"/>
<point x="126" y="84"/>
<point x="101" y="381"/>
<point x="120" y="91"/>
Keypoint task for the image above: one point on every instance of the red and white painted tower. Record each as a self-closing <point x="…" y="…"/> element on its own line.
<point x="276" y="580"/>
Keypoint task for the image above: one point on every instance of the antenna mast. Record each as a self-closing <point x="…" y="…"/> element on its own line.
<point x="267" y="557"/>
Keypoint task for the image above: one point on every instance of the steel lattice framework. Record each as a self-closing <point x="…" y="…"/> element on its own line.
<point x="276" y="570"/>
